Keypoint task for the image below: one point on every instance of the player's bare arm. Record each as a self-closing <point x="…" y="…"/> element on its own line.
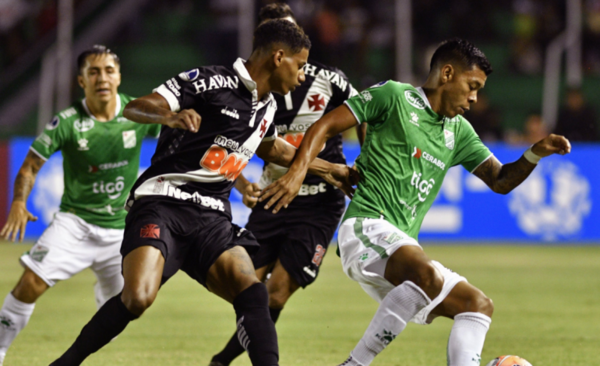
<point x="18" y="215"/>
<point x="250" y="191"/>
<point x="504" y="178"/>
<point x="154" y="109"/>
<point x="280" y="152"/>
<point x="286" y="188"/>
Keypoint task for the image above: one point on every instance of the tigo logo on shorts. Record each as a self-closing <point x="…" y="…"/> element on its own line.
<point x="150" y="231"/>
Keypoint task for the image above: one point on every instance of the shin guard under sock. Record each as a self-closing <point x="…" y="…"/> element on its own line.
<point x="108" y="322"/>
<point x="399" y="306"/>
<point x="467" y="338"/>
<point x="255" y="328"/>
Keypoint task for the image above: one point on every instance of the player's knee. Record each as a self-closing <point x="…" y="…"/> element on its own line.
<point x="278" y="299"/>
<point x="137" y="301"/>
<point x="478" y="302"/>
<point x="428" y="278"/>
<point x="30" y="287"/>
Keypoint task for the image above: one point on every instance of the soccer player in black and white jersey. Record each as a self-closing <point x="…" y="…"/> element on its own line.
<point x="294" y="241"/>
<point x="215" y="118"/>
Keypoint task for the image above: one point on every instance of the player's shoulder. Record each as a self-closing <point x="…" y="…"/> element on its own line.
<point x="460" y="125"/>
<point x="67" y="116"/>
<point x="204" y="72"/>
<point x="209" y="79"/>
<point x="125" y="98"/>
<point x="331" y="74"/>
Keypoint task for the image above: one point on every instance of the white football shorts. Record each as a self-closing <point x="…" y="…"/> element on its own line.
<point x="69" y="245"/>
<point x="365" y="246"/>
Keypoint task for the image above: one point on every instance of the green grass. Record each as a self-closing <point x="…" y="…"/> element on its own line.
<point x="547" y="310"/>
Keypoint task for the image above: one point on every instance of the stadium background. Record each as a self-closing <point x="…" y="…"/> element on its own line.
<point x="533" y="251"/>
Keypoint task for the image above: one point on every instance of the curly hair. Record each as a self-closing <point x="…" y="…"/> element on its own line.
<point x="275" y="11"/>
<point x="280" y="31"/>
<point x="462" y="52"/>
<point x="97" y="50"/>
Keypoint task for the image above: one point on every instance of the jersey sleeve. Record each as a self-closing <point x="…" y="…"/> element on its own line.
<point x="373" y="104"/>
<point x="51" y="139"/>
<point x="183" y="91"/>
<point x="471" y="151"/>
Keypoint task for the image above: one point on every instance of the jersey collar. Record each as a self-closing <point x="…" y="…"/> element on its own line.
<point x="87" y="110"/>
<point x="441" y="118"/>
<point x="250" y="84"/>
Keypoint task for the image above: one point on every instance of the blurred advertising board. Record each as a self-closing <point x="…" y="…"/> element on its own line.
<point x="557" y="203"/>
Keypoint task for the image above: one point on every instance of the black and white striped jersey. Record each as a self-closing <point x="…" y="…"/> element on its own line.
<point x="324" y="89"/>
<point x="202" y="167"/>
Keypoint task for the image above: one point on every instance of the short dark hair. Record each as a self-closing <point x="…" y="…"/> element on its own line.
<point x="97" y="50"/>
<point x="460" y="51"/>
<point x="275" y="11"/>
<point x="280" y="31"/>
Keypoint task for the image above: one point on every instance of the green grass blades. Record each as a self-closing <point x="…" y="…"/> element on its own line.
<point x="547" y="303"/>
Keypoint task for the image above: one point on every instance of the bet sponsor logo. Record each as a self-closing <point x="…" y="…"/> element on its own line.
<point x="173" y="85"/>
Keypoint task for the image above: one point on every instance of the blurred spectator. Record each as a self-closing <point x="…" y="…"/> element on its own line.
<point x="485" y="120"/>
<point x="577" y="120"/>
<point x="591" y="36"/>
<point x="534" y="130"/>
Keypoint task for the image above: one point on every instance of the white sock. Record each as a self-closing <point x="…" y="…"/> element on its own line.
<point x="14" y="316"/>
<point x="396" y="309"/>
<point x="467" y="338"/>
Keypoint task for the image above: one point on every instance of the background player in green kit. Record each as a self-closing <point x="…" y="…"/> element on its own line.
<point x="415" y="135"/>
<point x="101" y="152"/>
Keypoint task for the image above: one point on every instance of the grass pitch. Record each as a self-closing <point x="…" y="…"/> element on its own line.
<point x="547" y="303"/>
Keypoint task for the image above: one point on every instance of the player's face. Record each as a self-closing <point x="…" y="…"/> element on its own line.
<point x="100" y="78"/>
<point x="290" y="72"/>
<point x="460" y="91"/>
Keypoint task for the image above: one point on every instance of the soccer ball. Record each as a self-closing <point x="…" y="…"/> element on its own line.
<point x="508" y="361"/>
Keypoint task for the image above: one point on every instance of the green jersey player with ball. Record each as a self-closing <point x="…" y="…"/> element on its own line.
<point x="415" y="135"/>
<point x="101" y="152"/>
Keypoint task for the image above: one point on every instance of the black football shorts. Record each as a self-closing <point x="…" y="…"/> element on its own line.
<point x="298" y="237"/>
<point x="189" y="236"/>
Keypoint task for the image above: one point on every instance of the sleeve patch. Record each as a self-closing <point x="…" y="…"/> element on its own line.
<point x="190" y="75"/>
<point x="53" y="123"/>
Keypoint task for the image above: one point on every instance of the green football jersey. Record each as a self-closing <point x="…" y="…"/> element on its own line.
<point x="406" y="154"/>
<point x="100" y="160"/>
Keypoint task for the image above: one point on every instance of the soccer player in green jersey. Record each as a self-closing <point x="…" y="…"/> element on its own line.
<point x="415" y="135"/>
<point x="101" y="152"/>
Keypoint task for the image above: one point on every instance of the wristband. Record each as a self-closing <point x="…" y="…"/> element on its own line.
<point x="531" y="156"/>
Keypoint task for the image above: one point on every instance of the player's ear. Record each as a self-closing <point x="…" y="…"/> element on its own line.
<point x="278" y="56"/>
<point x="447" y="73"/>
<point x="80" y="81"/>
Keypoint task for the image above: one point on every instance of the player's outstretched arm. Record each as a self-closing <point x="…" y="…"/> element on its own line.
<point x="154" y="109"/>
<point x="504" y="178"/>
<point x="18" y="215"/>
<point x="283" y="191"/>
<point x="250" y="191"/>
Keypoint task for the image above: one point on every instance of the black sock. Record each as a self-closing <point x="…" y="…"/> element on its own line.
<point x="255" y="329"/>
<point x="234" y="348"/>
<point x="108" y="322"/>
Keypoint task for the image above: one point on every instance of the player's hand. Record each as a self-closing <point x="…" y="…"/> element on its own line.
<point x="17" y="221"/>
<point x="250" y="194"/>
<point x="187" y="119"/>
<point x="552" y="144"/>
<point x="343" y="177"/>
<point x="282" y="191"/>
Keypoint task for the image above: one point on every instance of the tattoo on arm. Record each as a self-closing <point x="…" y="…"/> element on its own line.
<point x="26" y="176"/>
<point x="504" y="178"/>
